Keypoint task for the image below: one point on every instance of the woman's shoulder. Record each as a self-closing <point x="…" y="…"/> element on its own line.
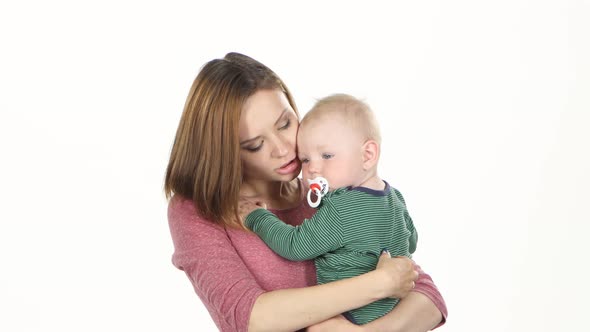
<point x="180" y="207"/>
<point x="182" y="214"/>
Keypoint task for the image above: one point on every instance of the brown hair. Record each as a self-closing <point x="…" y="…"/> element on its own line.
<point x="205" y="163"/>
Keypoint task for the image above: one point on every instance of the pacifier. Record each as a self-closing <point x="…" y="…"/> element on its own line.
<point x="319" y="186"/>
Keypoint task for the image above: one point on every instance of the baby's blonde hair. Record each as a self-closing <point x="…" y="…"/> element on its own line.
<point x="354" y="111"/>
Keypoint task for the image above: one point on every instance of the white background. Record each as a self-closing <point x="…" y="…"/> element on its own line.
<point x="484" y="106"/>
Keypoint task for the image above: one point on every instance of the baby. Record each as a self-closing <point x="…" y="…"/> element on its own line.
<point x="361" y="215"/>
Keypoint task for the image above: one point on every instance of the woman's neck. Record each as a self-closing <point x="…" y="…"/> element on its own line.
<point x="276" y="195"/>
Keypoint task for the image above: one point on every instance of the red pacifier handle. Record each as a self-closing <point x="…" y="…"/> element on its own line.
<point x="315" y="186"/>
<point x="319" y="186"/>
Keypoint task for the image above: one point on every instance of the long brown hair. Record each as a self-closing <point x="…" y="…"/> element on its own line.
<point x="205" y="161"/>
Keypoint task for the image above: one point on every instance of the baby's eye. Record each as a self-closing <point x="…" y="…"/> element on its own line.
<point x="327" y="156"/>
<point x="304" y="160"/>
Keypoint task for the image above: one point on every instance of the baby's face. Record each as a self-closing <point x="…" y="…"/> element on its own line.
<point x="331" y="149"/>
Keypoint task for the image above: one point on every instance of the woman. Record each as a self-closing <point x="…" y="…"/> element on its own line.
<point x="236" y="140"/>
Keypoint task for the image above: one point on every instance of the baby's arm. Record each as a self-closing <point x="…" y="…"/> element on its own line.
<point x="314" y="237"/>
<point x="413" y="240"/>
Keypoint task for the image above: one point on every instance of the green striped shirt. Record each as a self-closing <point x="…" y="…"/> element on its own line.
<point x="345" y="237"/>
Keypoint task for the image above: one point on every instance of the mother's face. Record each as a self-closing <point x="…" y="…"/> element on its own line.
<point x="268" y="133"/>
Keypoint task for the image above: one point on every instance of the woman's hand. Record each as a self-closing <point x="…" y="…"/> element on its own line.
<point x="399" y="275"/>
<point x="338" y="323"/>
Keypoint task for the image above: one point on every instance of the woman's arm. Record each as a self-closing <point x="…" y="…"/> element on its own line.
<point x="234" y="299"/>
<point x="422" y="310"/>
<point x="218" y="275"/>
<point x="292" y="309"/>
<point x="414" y="313"/>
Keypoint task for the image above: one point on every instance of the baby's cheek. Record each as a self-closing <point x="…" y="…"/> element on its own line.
<point x="304" y="174"/>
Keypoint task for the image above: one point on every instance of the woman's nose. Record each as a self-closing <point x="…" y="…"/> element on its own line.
<point x="281" y="148"/>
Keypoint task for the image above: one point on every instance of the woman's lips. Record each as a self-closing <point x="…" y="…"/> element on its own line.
<point x="289" y="167"/>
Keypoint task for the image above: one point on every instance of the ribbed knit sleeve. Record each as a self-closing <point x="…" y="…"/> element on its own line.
<point x="424" y="283"/>
<point x="219" y="276"/>
<point x="426" y="286"/>
<point x="314" y="237"/>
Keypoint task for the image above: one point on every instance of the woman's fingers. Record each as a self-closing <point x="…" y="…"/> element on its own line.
<point x="407" y="276"/>
<point x="400" y="272"/>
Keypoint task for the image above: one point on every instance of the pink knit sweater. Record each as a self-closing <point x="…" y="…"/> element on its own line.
<point x="230" y="268"/>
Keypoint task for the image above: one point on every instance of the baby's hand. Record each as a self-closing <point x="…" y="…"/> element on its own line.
<point x="245" y="206"/>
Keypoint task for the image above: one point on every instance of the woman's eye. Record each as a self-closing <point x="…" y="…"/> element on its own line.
<point x="327" y="156"/>
<point x="256" y="148"/>
<point x="286" y="125"/>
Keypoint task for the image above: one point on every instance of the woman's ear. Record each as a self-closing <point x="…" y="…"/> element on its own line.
<point x="370" y="154"/>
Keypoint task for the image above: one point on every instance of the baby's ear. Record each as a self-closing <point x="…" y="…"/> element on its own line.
<point x="370" y="154"/>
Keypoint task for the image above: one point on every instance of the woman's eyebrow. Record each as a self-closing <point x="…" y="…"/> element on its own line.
<point x="276" y="122"/>
<point x="249" y="140"/>
<point x="281" y="116"/>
